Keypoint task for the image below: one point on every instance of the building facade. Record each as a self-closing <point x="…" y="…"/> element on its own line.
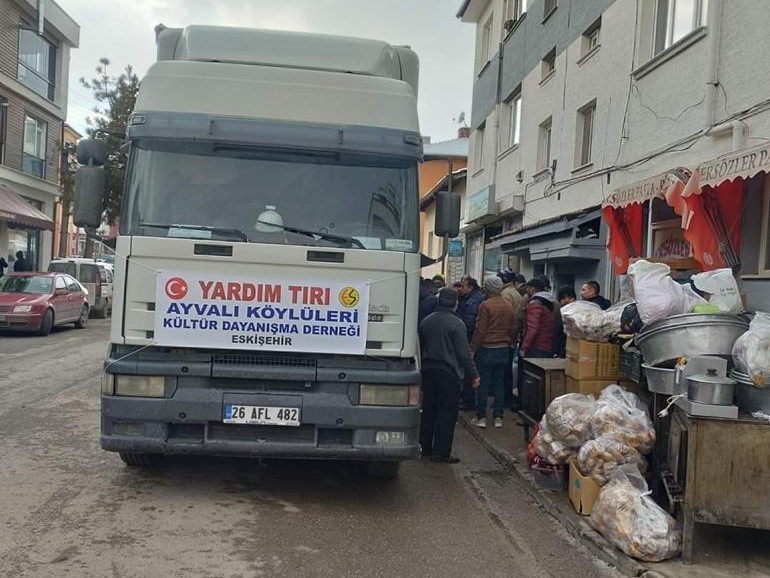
<point x="439" y="160"/>
<point x="34" y="72"/>
<point x="623" y="103"/>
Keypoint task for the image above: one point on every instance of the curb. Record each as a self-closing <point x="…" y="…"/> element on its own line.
<point x="580" y="530"/>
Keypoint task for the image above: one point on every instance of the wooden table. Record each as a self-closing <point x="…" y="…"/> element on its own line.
<point x="726" y="477"/>
<point x="541" y="381"/>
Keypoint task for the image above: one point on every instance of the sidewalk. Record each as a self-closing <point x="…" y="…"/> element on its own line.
<point x="720" y="552"/>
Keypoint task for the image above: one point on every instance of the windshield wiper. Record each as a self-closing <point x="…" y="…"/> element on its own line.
<point x="215" y="230"/>
<point x="352" y="241"/>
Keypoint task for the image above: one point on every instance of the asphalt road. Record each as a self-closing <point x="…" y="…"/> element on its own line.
<point x="69" y="509"/>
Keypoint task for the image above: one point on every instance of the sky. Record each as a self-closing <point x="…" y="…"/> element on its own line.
<point x="122" y="31"/>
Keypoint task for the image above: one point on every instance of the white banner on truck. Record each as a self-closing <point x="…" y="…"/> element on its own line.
<point x="277" y="314"/>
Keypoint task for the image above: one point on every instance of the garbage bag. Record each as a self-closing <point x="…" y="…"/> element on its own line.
<point x="657" y="295"/>
<point x="722" y="287"/>
<point x="628" y="517"/>
<point x="600" y="457"/>
<point x="751" y="351"/>
<point x="620" y="415"/>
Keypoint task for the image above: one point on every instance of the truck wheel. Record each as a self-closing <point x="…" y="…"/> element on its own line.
<point x="138" y="460"/>
<point x="46" y="323"/>
<point x="385" y="470"/>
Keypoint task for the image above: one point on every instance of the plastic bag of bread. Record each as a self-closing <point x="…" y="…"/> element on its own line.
<point x="628" y="517"/>
<point x="549" y="447"/>
<point x="586" y="320"/>
<point x="751" y="352"/>
<point x="621" y="416"/>
<point x="599" y="458"/>
<point x="569" y="418"/>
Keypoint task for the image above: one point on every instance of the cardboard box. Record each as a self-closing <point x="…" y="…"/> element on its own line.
<point x="583" y="490"/>
<point x="595" y="386"/>
<point x="591" y="360"/>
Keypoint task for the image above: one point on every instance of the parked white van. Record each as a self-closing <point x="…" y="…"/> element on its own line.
<point x="95" y="275"/>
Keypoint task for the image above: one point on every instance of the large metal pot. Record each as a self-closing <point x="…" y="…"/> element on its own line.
<point x="690" y="334"/>
<point x="749" y="397"/>
<point x="660" y="379"/>
<point x="711" y="389"/>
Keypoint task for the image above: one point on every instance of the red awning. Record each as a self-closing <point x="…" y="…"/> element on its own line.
<point x="14" y="209"/>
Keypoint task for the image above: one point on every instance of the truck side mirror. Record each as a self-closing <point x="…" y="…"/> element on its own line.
<point x="90" y="182"/>
<point x="447" y="214"/>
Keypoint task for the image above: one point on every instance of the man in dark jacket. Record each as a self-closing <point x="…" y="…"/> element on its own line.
<point x="470" y="300"/>
<point x="537" y="333"/>
<point x="21" y="264"/>
<point x="591" y="292"/>
<point x="427" y="299"/>
<point x="565" y="296"/>
<point x="446" y="360"/>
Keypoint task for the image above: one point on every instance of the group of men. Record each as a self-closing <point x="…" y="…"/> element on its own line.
<point x="19" y="265"/>
<point x="469" y="336"/>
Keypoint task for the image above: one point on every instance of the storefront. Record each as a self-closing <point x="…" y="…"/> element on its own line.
<point x="641" y="223"/>
<point x="22" y="223"/>
<point x="568" y="249"/>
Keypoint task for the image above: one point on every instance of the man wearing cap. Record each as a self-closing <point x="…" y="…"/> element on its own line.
<point x="495" y="334"/>
<point x="537" y="331"/>
<point x="446" y="360"/>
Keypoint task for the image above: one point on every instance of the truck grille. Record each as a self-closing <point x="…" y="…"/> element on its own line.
<point x="246" y="359"/>
<point x="304" y="434"/>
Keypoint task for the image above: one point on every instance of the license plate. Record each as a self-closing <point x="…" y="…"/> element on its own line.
<point x="261" y="415"/>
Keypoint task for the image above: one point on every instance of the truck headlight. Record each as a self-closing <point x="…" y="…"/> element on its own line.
<point x="392" y="395"/>
<point x="140" y="385"/>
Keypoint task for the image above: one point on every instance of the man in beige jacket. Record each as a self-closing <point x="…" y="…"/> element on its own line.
<point x="512" y="295"/>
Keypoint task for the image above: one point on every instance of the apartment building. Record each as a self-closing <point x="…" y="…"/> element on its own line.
<point x="586" y="109"/>
<point x="36" y="37"/>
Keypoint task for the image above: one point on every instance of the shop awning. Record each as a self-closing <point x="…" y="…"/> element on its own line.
<point x="647" y="189"/>
<point x="711" y="205"/>
<point x="563" y="225"/>
<point x="623" y="213"/>
<point x="14" y="209"/>
<point x="741" y="164"/>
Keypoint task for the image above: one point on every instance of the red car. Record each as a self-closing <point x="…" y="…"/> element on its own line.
<point x="37" y="301"/>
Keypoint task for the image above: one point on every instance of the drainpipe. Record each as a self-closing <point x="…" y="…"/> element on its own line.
<point x="714" y="23"/>
<point x="736" y="127"/>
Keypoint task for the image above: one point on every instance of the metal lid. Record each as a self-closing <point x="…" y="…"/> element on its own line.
<point x="711" y="376"/>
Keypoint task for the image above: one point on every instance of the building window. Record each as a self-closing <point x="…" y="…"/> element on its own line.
<point x="548" y="65"/>
<point x="33" y="155"/>
<point x="3" y="117"/>
<point x="548" y="7"/>
<point x="544" y="145"/>
<point x="675" y="19"/>
<point x="514" y="10"/>
<point x="37" y="63"/>
<point x="478" y="149"/>
<point x="485" y="50"/>
<point x="585" y="133"/>
<point x="510" y="126"/>
<point x="591" y="38"/>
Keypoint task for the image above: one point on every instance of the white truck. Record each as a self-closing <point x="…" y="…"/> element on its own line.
<point x="267" y="267"/>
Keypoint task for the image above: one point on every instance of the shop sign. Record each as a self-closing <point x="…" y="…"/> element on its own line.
<point x="456" y="248"/>
<point x="318" y="315"/>
<point x="481" y="204"/>
<point x="744" y="164"/>
<point x="646" y="190"/>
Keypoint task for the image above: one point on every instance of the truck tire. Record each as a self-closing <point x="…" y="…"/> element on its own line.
<point x="138" y="460"/>
<point x="383" y="469"/>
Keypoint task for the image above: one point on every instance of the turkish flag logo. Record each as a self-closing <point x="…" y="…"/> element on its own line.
<point x="176" y="288"/>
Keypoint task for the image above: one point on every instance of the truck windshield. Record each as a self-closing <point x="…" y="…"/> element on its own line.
<point x="212" y="191"/>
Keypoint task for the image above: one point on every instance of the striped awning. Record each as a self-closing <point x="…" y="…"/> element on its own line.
<point x="14" y="209"/>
